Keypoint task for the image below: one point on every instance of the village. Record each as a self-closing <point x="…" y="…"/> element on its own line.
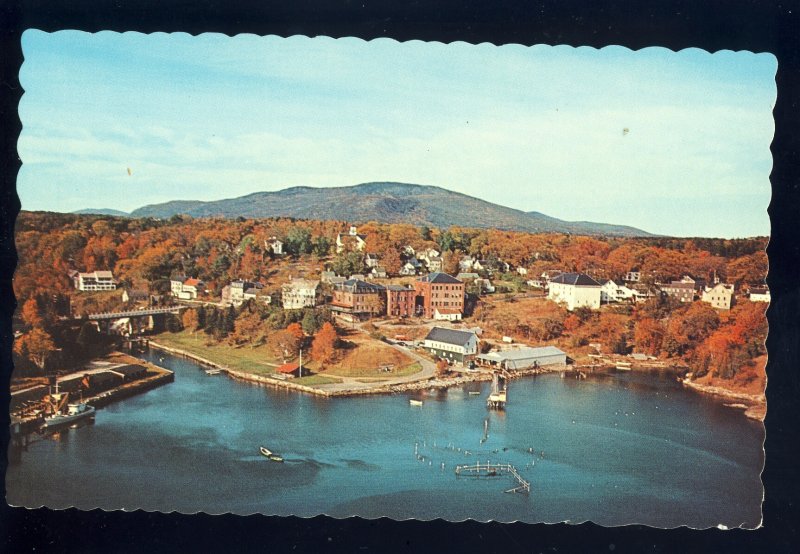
<point x="364" y="320"/>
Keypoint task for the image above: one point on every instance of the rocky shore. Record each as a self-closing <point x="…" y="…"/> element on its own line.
<point x="755" y="405"/>
<point x="423" y="384"/>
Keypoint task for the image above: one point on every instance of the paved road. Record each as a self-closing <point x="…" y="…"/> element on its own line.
<point x="352" y="383"/>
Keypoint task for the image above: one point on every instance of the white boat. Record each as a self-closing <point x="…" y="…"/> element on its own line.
<point x="415" y="402"/>
<point x="474" y="393"/>
<point x="212" y="371"/>
<point x="75" y="412"/>
<point x="270" y="454"/>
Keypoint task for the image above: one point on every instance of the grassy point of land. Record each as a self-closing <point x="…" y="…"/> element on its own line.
<point x="256" y="360"/>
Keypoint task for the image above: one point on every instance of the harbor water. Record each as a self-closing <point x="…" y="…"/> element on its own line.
<point x="617" y="448"/>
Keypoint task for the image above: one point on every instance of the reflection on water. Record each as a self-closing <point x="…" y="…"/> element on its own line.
<point x="614" y="448"/>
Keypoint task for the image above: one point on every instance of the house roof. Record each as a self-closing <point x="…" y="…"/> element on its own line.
<point x="525" y="353"/>
<point x="438" y="277"/>
<point x="576" y="279"/>
<point x="359" y="286"/>
<point x="192" y="282"/>
<point x="450" y="336"/>
<point x="291" y="367"/>
<point x="448" y="311"/>
<point x="759" y="290"/>
<point x="466" y="275"/>
<point x="103" y="274"/>
<point x="399" y="288"/>
<point x="137" y="293"/>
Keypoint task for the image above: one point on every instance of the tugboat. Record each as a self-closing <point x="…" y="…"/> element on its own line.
<point x="74" y="411"/>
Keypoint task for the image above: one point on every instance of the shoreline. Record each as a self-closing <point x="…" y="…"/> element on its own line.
<point x="754" y="405"/>
<point x="422" y="384"/>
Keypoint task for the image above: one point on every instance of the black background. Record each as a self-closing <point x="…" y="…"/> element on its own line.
<point x="759" y="26"/>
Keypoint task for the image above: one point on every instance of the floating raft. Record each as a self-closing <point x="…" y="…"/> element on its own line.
<point x="491" y="470"/>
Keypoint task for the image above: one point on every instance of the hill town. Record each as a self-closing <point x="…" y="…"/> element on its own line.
<point x="335" y="308"/>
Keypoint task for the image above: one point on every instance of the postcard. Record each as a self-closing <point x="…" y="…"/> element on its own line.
<point x="303" y="276"/>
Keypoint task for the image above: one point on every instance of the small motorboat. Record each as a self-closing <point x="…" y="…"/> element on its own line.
<point x="270" y="454"/>
<point x="415" y="402"/>
<point x="474" y="392"/>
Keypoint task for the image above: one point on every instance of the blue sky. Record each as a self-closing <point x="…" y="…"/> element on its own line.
<point x="673" y="143"/>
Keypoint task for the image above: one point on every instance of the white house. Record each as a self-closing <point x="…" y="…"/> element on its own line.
<point x="350" y="241"/>
<point x="299" y="293"/>
<point x="274" y="245"/>
<point x="575" y="290"/>
<point x="447" y="314"/>
<point x="428" y="253"/>
<point x="96" y="280"/>
<point x="466" y="263"/>
<point x="720" y="296"/>
<point x="408" y="269"/>
<point x="613" y="291"/>
<point x="371" y="260"/>
<point x="633" y="276"/>
<point x="237" y="292"/>
<point x="759" y="294"/>
<point x="435" y="264"/>
<point x="522" y="270"/>
<point x="186" y="289"/>
<point x="451" y="344"/>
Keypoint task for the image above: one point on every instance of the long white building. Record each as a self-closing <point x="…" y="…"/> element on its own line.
<point x="96" y="280"/>
<point x="575" y="290"/>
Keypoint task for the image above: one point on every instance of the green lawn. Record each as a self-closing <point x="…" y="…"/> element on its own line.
<point x="312" y="380"/>
<point x="252" y="360"/>
<point x="409" y="369"/>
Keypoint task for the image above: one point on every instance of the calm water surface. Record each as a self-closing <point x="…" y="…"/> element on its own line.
<point x="614" y="449"/>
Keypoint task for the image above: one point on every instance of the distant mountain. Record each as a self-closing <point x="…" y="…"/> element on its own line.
<point x="101" y="211"/>
<point x="384" y="202"/>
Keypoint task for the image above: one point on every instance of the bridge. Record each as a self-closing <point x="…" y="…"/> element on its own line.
<point x="491" y="470"/>
<point x="136" y="313"/>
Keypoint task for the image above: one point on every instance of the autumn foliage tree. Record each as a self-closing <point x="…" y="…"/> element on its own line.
<point x="36" y="345"/>
<point x="284" y="344"/>
<point x="323" y="348"/>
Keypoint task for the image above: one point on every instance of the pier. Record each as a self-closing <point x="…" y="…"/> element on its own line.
<point x="491" y="470"/>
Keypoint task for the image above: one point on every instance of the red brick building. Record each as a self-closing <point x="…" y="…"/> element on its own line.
<point x="356" y="300"/>
<point x="438" y="290"/>
<point x="400" y="300"/>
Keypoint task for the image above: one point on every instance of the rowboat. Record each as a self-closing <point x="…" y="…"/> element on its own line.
<point x="269" y="454"/>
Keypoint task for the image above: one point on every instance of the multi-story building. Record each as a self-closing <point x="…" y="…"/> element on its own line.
<point x="759" y="294"/>
<point x="451" y="344"/>
<point x="356" y="299"/>
<point x="96" y="280"/>
<point x="613" y="291"/>
<point x="683" y="290"/>
<point x="350" y="241"/>
<point x="274" y="245"/>
<point x="299" y="293"/>
<point x="237" y="292"/>
<point x="720" y="296"/>
<point x="438" y="290"/>
<point x="400" y="300"/>
<point x="575" y="290"/>
<point x="186" y="288"/>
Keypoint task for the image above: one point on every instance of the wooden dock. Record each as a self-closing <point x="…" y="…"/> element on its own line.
<point x="491" y="470"/>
